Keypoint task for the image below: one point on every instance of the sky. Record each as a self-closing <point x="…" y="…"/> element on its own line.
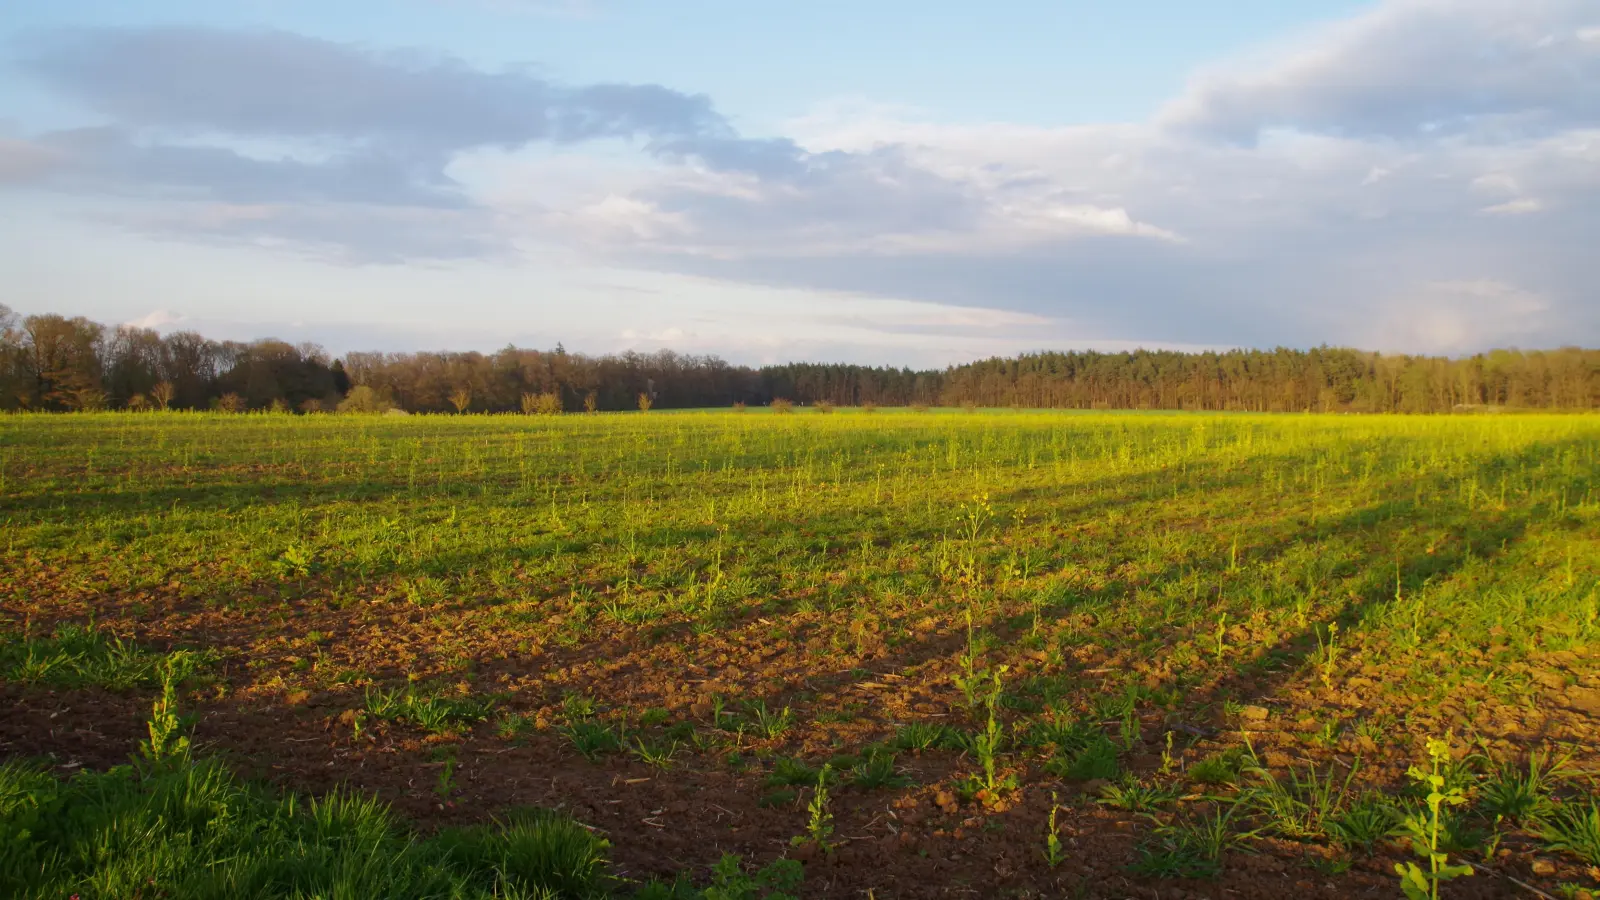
<point x="877" y="181"/>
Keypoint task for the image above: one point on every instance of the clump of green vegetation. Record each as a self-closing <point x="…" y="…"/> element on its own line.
<point x="1574" y="827"/>
<point x="918" y="736"/>
<point x="1523" y="793"/>
<point x="779" y="880"/>
<point x="432" y="712"/>
<point x="1218" y="768"/>
<point x="84" y="656"/>
<point x="1190" y="848"/>
<point x="1079" y="750"/>
<point x="878" y="772"/>
<point x="175" y="826"/>
<point x="593" y="739"/>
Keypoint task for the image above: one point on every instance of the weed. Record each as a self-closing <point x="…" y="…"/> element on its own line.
<point x="1423" y="828"/>
<point x="819" y="827"/>
<point x="1300" y="805"/>
<point x="1218" y="768"/>
<point x="987" y="743"/>
<point x="770" y="724"/>
<point x="778" y="880"/>
<point x="432" y="713"/>
<point x="776" y="798"/>
<point x="791" y="772"/>
<point x="876" y="772"/>
<point x="82" y="655"/>
<point x="577" y="706"/>
<point x="916" y="736"/>
<point x="514" y="726"/>
<point x="1131" y="794"/>
<point x="1054" y="856"/>
<point x="1327" y="656"/>
<point x="654" y="753"/>
<point x="1575" y="828"/>
<point x="1079" y="751"/>
<point x="1520" y="794"/>
<point x="593" y="739"/>
<point x="1189" y="849"/>
<point x="1362" y="822"/>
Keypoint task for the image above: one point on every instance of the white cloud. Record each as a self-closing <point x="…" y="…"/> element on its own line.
<point x="1518" y="207"/>
<point x="1412" y="67"/>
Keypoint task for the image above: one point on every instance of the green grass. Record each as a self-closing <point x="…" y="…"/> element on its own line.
<point x="189" y="829"/>
<point x="431" y="712"/>
<point x="83" y="656"/>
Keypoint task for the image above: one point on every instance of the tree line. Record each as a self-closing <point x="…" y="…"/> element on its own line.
<point x="56" y="363"/>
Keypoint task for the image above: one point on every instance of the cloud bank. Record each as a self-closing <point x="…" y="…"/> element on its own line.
<point x="1424" y="176"/>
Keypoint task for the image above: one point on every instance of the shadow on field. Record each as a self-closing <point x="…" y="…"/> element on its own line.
<point x="1462" y="536"/>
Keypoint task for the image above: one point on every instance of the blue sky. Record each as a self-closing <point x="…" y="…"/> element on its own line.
<point x="898" y="182"/>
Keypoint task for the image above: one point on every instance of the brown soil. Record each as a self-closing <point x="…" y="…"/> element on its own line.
<point x="276" y="709"/>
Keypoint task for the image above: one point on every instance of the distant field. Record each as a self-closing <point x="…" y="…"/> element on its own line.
<point x="666" y="624"/>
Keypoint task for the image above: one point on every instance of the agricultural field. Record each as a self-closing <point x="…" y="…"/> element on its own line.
<point x="890" y="654"/>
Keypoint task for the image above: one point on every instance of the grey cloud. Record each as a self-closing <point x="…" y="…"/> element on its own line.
<point x="25" y="162"/>
<point x="110" y="159"/>
<point x="1332" y="280"/>
<point x="1416" y="67"/>
<point x="287" y="85"/>
<point x="388" y="125"/>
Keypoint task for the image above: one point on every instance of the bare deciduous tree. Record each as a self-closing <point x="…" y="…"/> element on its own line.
<point x="461" y="398"/>
<point x="162" y="394"/>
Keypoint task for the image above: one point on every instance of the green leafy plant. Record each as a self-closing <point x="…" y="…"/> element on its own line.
<point x="1363" y="822"/>
<point x="769" y="723"/>
<point x="1298" y="805"/>
<point x="1328" y="651"/>
<point x="1523" y="793"/>
<point x="1054" y="856"/>
<point x="1219" y="768"/>
<point x="877" y="772"/>
<point x="1189" y="849"/>
<point x="167" y="745"/>
<point x="1131" y="794"/>
<point x="819" y="827"/>
<point x="916" y="736"/>
<point x="1574" y="828"/>
<point x="1423" y="828"/>
<point x="658" y="754"/>
<point x="593" y="739"/>
<point x="986" y="745"/>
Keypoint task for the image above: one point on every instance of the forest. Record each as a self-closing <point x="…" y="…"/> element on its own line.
<point x="50" y="362"/>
